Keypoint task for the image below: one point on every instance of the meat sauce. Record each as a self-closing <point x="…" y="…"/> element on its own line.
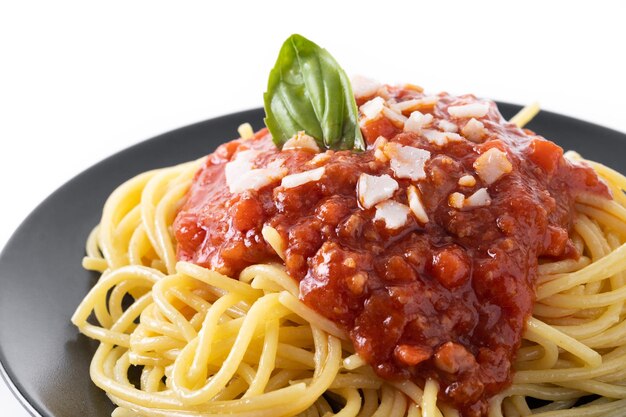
<point x="447" y="299"/>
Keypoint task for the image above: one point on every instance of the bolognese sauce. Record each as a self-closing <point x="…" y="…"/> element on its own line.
<point x="424" y="247"/>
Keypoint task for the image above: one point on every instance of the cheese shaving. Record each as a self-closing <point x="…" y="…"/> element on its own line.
<point x="295" y="180"/>
<point x="492" y="165"/>
<point x="478" y="199"/>
<point x="407" y="161"/>
<point x="241" y="174"/>
<point x="394" y="214"/>
<point x="474" y="130"/>
<point x="416" y="205"/>
<point x="477" y="110"/>
<point x="301" y="141"/>
<point x="364" y="87"/>
<point x="417" y="121"/>
<point x="373" y="108"/>
<point x="372" y="189"/>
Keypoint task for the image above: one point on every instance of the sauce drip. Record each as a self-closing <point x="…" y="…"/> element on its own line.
<point x="447" y="299"/>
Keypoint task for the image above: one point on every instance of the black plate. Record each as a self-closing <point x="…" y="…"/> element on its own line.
<point x="44" y="359"/>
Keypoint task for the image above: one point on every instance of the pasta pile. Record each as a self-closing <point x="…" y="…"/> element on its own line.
<point x="177" y="339"/>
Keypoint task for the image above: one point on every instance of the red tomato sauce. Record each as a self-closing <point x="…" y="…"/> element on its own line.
<point x="447" y="299"/>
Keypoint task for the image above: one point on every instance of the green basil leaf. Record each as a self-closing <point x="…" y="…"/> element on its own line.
<point x="307" y="90"/>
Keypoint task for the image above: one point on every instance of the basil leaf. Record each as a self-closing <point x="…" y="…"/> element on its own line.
<point x="307" y="90"/>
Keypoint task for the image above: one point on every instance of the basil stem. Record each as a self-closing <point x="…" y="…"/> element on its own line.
<point x="308" y="90"/>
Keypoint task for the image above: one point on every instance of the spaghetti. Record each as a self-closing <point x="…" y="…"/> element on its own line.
<point x="204" y="344"/>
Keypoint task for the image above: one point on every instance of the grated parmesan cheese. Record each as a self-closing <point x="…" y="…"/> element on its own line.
<point x="396" y="118"/>
<point x="478" y="110"/>
<point x="372" y="189"/>
<point x="417" y="121"/>
<point x="301" y="141"/>
<point x="416" y="205"/>
<point x="478" y="199"/>
<point x="447" y="126"/>
<point x="241" y="174"/>
<point x="440" y="138"/>
<point x="364" y="87"/>
<point x="373" y="108"/>
<point x="456" y="200"/>
<point x="394" y="214"/>
<point x="408" y="106"/>
<point x="407" y="161"/>
<point x="467" y="181"/>
<point x="321" y="158"/>
<point x="474" y="130"/>
<point x="492" y="165"/>
<point x="295" y="180"/>
<point x="241" y="164"/>
<point x="379" y="149"/>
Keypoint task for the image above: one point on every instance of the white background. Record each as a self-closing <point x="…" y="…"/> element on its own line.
<point x="80" y="80"/>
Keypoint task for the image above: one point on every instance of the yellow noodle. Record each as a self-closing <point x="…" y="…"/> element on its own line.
<point x="526" y="114"/>
<point x="210" y="345"/>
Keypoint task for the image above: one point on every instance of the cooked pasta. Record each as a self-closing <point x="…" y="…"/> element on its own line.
<point x="203" y="344"/>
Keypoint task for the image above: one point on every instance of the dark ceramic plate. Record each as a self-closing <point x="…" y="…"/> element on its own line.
<point x="43" y="358"/>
